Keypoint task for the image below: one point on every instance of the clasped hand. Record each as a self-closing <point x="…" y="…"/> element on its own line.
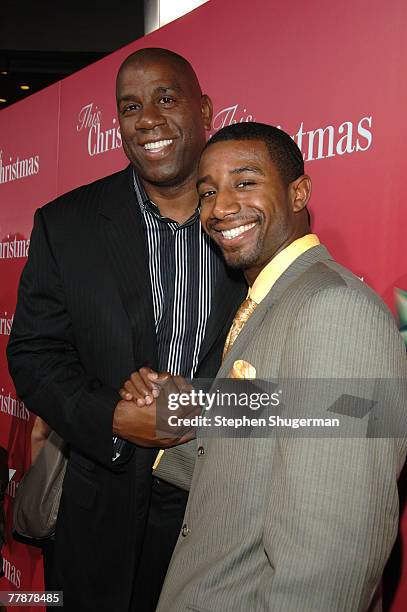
<point x="142" y="415"/>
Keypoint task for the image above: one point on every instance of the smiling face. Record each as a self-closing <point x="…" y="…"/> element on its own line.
<point x="246" y="208"/>
<point x="163" y="118"/>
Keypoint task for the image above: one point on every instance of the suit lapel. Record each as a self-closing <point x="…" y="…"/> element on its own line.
<point x="302" y="263"/>
<point x="127" y="251"/>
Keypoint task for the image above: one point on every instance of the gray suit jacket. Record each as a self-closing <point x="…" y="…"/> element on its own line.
<point x="288" y="522"/>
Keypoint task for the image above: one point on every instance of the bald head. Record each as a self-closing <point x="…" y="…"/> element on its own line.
<point x="145" y="57"/>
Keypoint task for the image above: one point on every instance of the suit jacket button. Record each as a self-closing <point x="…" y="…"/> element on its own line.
<point x="201" y="451"/>
<point x="185" y="530"/>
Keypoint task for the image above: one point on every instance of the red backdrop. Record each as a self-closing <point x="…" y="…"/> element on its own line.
<point x="332" y="75"/>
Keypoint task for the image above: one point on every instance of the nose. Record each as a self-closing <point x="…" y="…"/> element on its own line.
<point x="149" y="117"/>
<point x="225" y="204"/>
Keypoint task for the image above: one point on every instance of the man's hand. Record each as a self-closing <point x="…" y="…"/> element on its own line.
<point x="143" y="419"/>
<point x="39" y="435"/>
<point x="143" y="386"/>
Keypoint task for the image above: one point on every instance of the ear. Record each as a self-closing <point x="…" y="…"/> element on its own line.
<point x="207" y="111"/>
<point x="301" y="192"/>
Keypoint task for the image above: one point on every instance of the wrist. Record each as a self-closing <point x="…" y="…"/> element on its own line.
<point x="117" y="425"/>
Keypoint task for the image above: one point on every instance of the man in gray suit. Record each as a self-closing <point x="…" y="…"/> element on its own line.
<point x="286" y="522"/>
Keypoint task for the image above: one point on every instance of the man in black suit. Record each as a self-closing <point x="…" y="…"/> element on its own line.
<point x="120" y="275"/>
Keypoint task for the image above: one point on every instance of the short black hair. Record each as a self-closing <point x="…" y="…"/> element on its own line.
<point x="284" y="152"/>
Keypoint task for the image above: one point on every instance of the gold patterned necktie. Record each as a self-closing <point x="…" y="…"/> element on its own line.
<point x="245" y="311"/>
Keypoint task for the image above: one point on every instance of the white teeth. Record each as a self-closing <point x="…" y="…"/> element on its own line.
<point x="236" y="231"/>
<point x="152" y="146"/>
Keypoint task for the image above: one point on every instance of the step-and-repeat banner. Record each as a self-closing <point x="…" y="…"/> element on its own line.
<point x="331" y="75"/>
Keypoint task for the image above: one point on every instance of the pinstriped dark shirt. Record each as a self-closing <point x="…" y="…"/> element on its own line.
<point x="183" y="272"/>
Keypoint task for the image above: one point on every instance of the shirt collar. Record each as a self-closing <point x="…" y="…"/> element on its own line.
<point x="279" y="264"/>
<point x="146" y="204"/>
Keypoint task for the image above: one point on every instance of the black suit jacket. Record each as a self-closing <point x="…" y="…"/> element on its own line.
<point x="84" y="321"/>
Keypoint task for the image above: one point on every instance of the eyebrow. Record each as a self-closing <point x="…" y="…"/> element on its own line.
<point x="175" y="88"/>
<point x="254" y="169"/>
<point x="125" y="99"/>
<point x="204" y="179"/>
